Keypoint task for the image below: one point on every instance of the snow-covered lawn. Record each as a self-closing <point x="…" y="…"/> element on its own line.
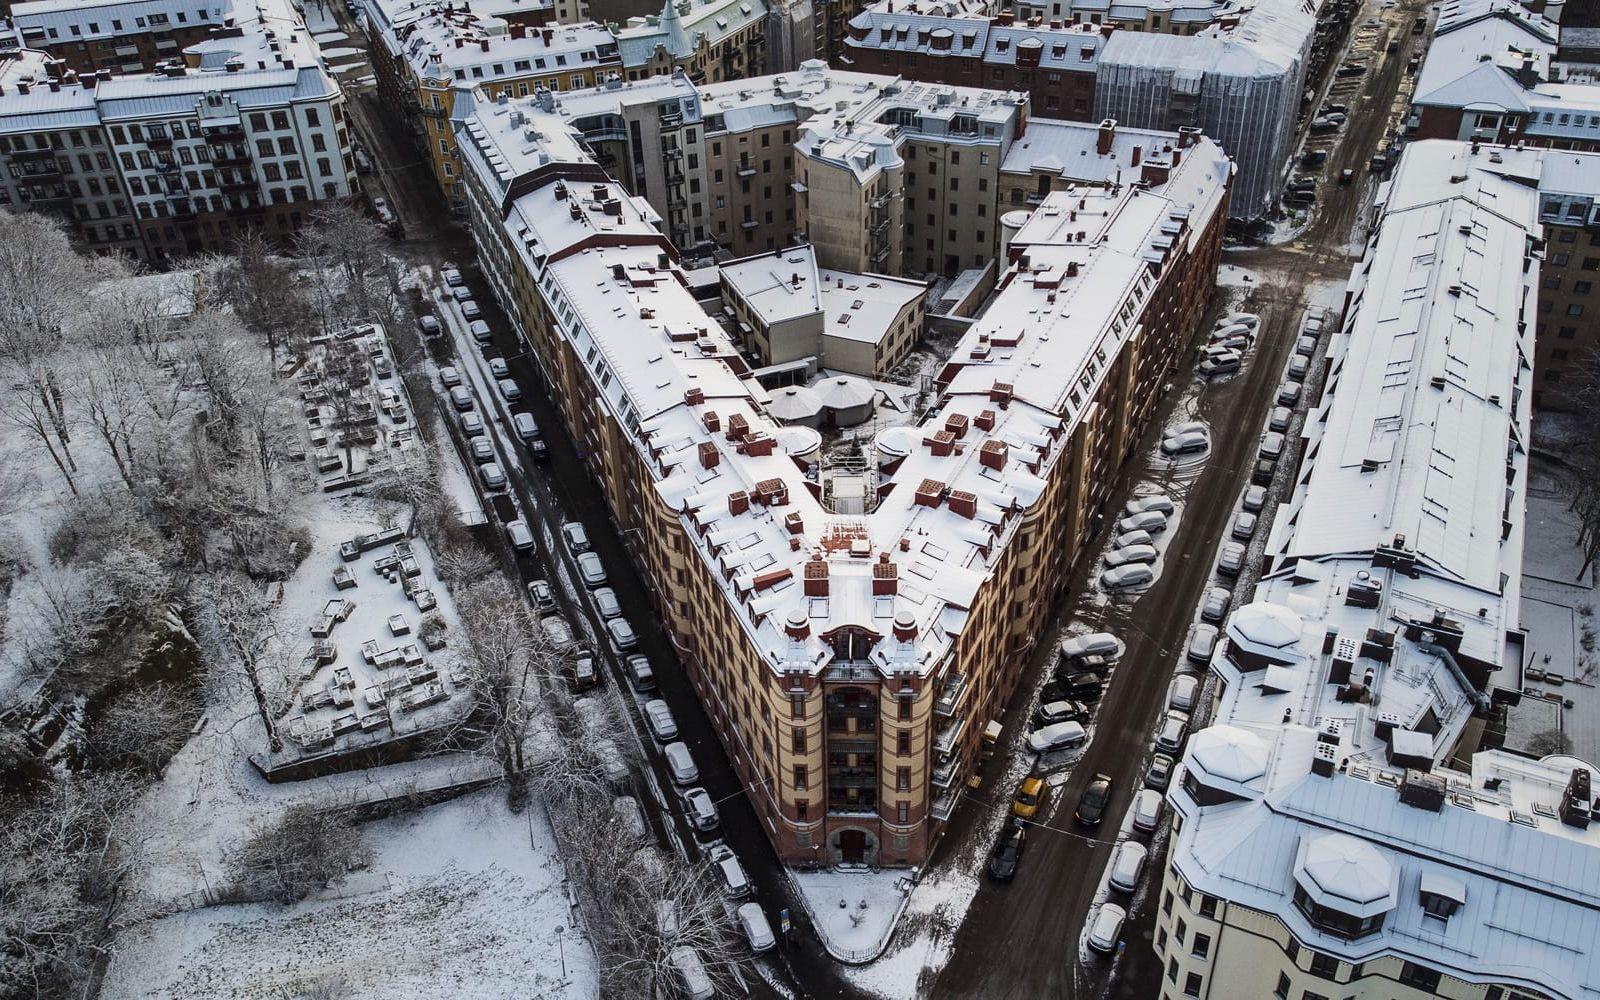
<point x="462" y="899"/>
<point x="853" y="911"/>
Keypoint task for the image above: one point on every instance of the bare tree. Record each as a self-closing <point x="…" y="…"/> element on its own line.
<point x="239" y="626"/>
<point x="1582" y="457"/>
<point x="303" y="850"/>
<point x="141" y="729"/>
<point x="343" y="251"/>
<point x="261" y="288"/>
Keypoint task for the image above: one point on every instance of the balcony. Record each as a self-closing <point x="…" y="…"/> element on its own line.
<point x="945" y="805"/>
<point x="605" y="135"/>
<point x="853" y="777"/>
<point x="746" y="170"/>
<point x="853" y="743"/>
<point x="158" y="141"/>
<point x="34" y="154"/>
<point x="233" y="186"/>
<point x="947" y="774"/>
<point x="951" y="695"/>
<point x="432" y="112"/>
<point x="749" y="224"/>
<point x="222" y="131"/>
<point x="879" y="255"/>
<point x="881" y="201"/>
<point x="949" y="737"/>
<point x="233" y="159"/>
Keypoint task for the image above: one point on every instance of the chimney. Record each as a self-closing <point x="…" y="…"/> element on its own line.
<point x="964" y="503"/>
<point x="1576" y="802"/>
<point x="940" y="442"/>
<point x="738" y="502"/>
<point x="885" y="576"/>
<point x="712" y="421"/>
<point x="1138" y="154"/>
<point x="759" y="445"/>
<point x="930" y="493"/>
<point x="1000" y="393"/>
<point x="794" y="522"/>
<point x="694" y="397"/>
<point x="984" y="421"/>
<point x="816" y="577"/>
<point x="993" y="455"/>
<point x="738" y="427"/>
<point x="771" y="578"/>
<point x="905" y="626"/>
<point x="797" y="626"/>
<point x="956" y="424"/>
<point x="709" y="457"/>
<point x="483" y="45"/>
<point x="1421" y="790"/>
<point x="1108" y="132"/>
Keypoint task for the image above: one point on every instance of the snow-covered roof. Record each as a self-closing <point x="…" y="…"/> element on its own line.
<point x="681" y="25"/>
<point x="474" y="47"/>
<point x="792" y="403"/>
<point x="863" y="307"/>
<point x="1346" y="873"/>
<point x="776" y="286"/>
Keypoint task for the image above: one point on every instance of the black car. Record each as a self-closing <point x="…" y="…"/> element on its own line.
<point x="1073" y="687"/>
<point x="1007" y="853"/>
<point x="1094" y="800"/>
<point x="1261" y="475"/>
<point x="537" y="450"/>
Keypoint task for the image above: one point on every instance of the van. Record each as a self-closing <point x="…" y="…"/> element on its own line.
<point x="680" y="765"/>
<point x="525" y="427"/>
<point x="756" y="929"/>
<point x="1061" y="736"/>
<point x="691" y="973"/>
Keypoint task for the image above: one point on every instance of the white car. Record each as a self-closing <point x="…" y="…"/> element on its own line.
<point x="756" y="929"/>
<point x="1147" y="807"/>
<point x="479" y="329"/>
<point x="525" y="426"/>
<point x="701" y="809"/>
<point x="1271" y="445"/>
<point x="1250" y="320"/>
<point x="1202" y="644"/>
<point x="576" y="538"/>
<point x="591" y="569"/>
<point x="1127" y="577"/>
<point x="1215" y="606"/>
<point x="492" y="476"/>
<point x="1127" y="864"/>
<point x="680" y="765"/>
<point x="1220" y="364"/>
<point x="1090" y="644"/>
<point x="1158" y="502"/>
<point x="461" y="399"/>
<point x="1126" y="539"/>
<point x="461" y="293"/>
<point x="1255" y="497"/>
<point x="1173" y="732"/>
<point x="1230" y="560"/>
<point x="1306" y="346"/>
<point x="499" y="369"/>
<point x="1298" y="366"/>
<point x="734" y="882"/>
<point x="510" y="391"/>
<point x="1244" y="526"/>
<point x="1279" y="418"/>
<point x="453" y="278"/>
<point x="471" y="424"/>
<point x="519" y="536"/>
<point x="1106" y="928"/>
<point x="662" y="725"/>
<point x="1059" y="736"/>
<point x="470" y="310"/>
<point x="1187" y="443"/>
<point x="605" y="599"/>
<point x="482" y="450"/>
<point x="1131" y="554"/>
<point x="622" y="634"/>
<point x="1185" y="688"/>
<point x="1289" y="393"/>
<point x="556" y="628"/>
<point x="1152" y="521"/>
<point x="449" y="377"/>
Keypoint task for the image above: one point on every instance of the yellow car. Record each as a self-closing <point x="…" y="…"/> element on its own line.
<point x="1029" y="797"/>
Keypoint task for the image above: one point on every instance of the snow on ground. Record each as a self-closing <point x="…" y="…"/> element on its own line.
<point x="462" y="899"/>
<point x="330" y="37"/>
<point x="932" y="916"/>
<point x="852" y="910"/>
<point x="1231" y="276"/>
<point x="319" y="17"/>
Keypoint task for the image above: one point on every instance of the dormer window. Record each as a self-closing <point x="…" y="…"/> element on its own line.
<point x="1441" y="896"/>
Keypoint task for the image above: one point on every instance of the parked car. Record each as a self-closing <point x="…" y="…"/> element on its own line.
<point x="1094" y="800"/>
<point x="1314" y="158"/>
<point x="1127" y="577"/>
<point x="1148" y="806"/>
<point x="1158" y="502"/>
<point x="1173" y="732"/>
<point x="1131" y="554"/>
<point x="481" y="449"/>
<point x="690" y="971"/>
<point x="470" y="310"/>
<point x="510" y="391"/>
<point x="1128" y="538"/>
<point x="1255" y="497"/>
<point x="1159" y="774"/>
<point x="1289" y="393"/>
<point x="1029" y="797"/>
<point x="1089" y="644"/>
<point x="585" y="672"/>
<point x="757" y="932"/>
<point x="576" y="538"/>
<point x="1127" y="864"/>
<point x="1250" y="320"/>
<point x="1184" y="691"/>
<point x="1350" y="69"/>
<point x="1051" y="712"/>
<point x="591" y="569"/>
<point x="623" y="637"/>
<point x="605" y="601"/>
<point x="461" y="399"/>
<point x="452" y="278"/>
<point x="1306" y="346"/>
<point x="461" y="293"/>
<point x="428" y="325"/>
<point x="479" y="329"/>
<point x="498" y="368"/>
<point x="1187" y="443"/>
<point x="640" y="673"/>
<point x="1202" y="643"/>
<point x="537" y="451"/>
<point x="1225" y="363"/>
<point x="700" y="809"/>
<point x="492" y="476"/>
<point x="679" y="764"/>
<point x="1152" y="521"/>
<point x="1059" y="736"/>
<point x="1230" y="560"/>
<point x="1340" y="109"/>
<point x="1298" y="367"/>
<point x="519" y="536"/>
<point x="1083" y="686"/>
<point x="1279" y="419"/>
<point x="1106" y="928"/>
<point x="1215" y="606"/>
<point x="449" y="376"/>
<point x="1007" y="852"/>
<point x="471" y="424"/>
<point x="659" y="717"/>
<point x="543" y="598"/>
<point x="1261" y="474"/>
<point x="1244" y="526"/>
<point x="733" y="881"/>
<point x="525" y="427"/>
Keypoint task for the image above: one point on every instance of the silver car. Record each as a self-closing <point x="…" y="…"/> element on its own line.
<point x="622" y="634"/>
<point x="605" y="599"/>
<point x="1230" y="561"/>
<point x="1131" y="554"/>
<point x="1202" y="643"/>
<point x="1255" y="497"/>
<point x="591" y="569"/>
<point x="1244" y="526"/>
<point x="1215" y="606"/>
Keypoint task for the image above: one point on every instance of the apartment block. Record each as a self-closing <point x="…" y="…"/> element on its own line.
<point x="710" y="41"/>
<point x="1347" y="827"/>
<point x="246" y="131"/>
<point x="115" y="36"/>
<point x="850" y="662"/>
<point x="430" y="56"/>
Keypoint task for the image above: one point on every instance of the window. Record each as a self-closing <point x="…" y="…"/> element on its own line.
<point x="1421" y="977"/>
<point x="1191" y="985"/>
<point x="1575" y="309"/>
<point x="902" y="742"/>
<point x="1324" y="966"/>
<point x="902" y="812"/>
<point x="800" y="777"/>
<point x="799" y="740"/>
<point x="902" y="780"/>
<point x="1202" y="946"/>
<point x="1172" y="970"/>
<point x="1208" y="904"/>
<point x="1567" y="332"/>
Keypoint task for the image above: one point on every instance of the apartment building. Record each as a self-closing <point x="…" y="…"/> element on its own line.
<point x="787" y="309"/>
<point x="850" y="662"/>
<point x="1055" y="155"/>
<point x="861" y="166"/>
<point x="431" y="56"/>
<point x="1346" y="827"/>
<point x="964" y="45"/>
<point x="710" y="41"/>
<point x="247" y="131"/>
<point x="117" y="36"/>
